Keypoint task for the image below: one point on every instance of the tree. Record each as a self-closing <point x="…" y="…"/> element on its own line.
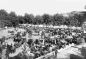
<point x="3" y="18"/>
<point x="29" y="18"/>
<point x="38" y="20"/>
<point x="79" y="16"/>
<point x="13" y="18"/>
<point x="3" y="12"/>
<point x="73" y="21"/>
<point x="21" y="20"/>
<point x="46" y="18"/>
<point x="59" y="19"/>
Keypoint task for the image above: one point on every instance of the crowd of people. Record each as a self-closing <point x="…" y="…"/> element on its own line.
<point x="49" y="39"/>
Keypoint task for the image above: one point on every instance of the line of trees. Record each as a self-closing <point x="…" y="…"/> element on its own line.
<point x="11" y="19"/>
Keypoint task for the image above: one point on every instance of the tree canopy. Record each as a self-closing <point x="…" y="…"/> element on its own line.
<point x="11" y="19"/>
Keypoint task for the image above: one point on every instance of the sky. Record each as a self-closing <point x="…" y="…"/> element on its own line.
<point x="39" y="7"/>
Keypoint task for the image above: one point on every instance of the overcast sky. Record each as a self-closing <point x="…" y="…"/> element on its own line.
<point x="39" y="7"/>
